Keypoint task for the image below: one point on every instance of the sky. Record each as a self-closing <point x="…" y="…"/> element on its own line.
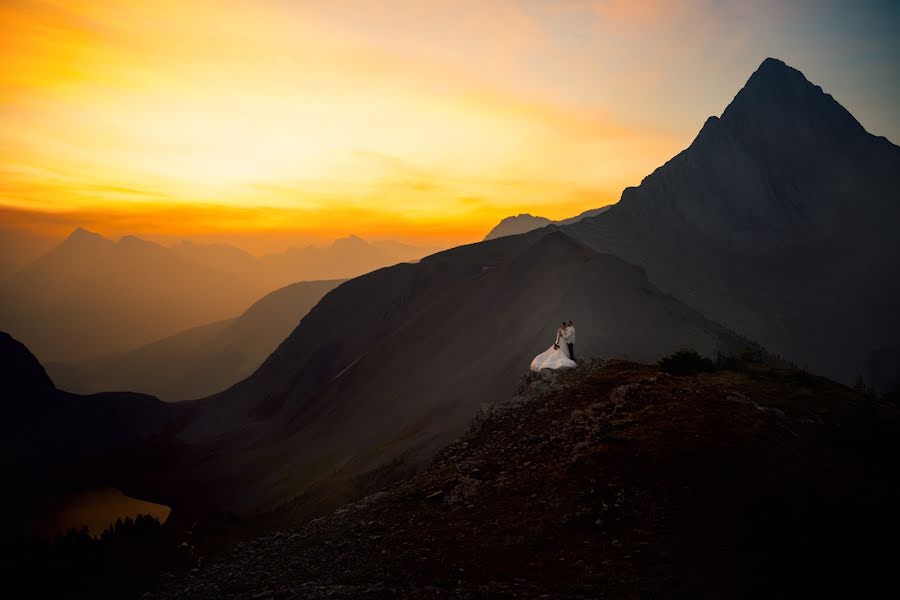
<point x="425" y="121"/>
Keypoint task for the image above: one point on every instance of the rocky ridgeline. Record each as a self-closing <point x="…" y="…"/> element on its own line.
<point x="610" y="479"/>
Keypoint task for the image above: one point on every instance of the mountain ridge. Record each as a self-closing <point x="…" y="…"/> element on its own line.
<point x="352" y="391"/>
<point x="90" y="296"/>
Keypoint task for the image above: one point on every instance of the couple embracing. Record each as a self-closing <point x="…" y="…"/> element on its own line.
<point x="561" y="354"/>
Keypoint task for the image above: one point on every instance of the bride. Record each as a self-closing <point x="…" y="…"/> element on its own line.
<point x="556" y="356"/>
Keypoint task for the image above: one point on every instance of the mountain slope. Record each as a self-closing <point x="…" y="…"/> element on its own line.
<point x="52" y="440"/>
<point x="202" y="360"/>
<point x="612" y="480"/>
<point x="523" y="223"/>
<point x="780" y="222"/>
<point x="378" y="385"/>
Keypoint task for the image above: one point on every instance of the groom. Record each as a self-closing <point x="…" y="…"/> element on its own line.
<point x="569" y="337"/>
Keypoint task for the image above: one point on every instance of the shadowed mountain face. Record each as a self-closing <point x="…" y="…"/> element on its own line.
<point x="202" y="360"/>
<point x="51" y="440"/>
<point x="390" y="366"/>
<point x="779" y="221"/>
<point x="91" y="297"/>
<point x="524" y="223"/>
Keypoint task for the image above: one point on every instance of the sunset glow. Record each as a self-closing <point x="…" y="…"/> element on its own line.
<point x="408" y="120"/>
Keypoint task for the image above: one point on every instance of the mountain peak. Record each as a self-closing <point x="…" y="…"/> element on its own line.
<point x="80" y="233"/>
<point x="350" y="241"/>
<point x="779" y="98"/>
<point x="81" y="238"/>
<point x="776" y="65"/>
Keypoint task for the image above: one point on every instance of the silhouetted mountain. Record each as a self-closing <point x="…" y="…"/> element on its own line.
<point x="523" y="223"/>
<point x="391" y="365"/>
<point x="202" y="360"/>
<point x="52" y="440"/>
<point x="780" y="221"/>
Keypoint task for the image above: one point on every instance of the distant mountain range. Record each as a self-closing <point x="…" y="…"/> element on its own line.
<point x="523" y="223"/>
<point x="90" y="296"/>
<point x="202" y="360"/>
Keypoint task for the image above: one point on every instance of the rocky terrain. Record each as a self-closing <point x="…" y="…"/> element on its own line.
<point x="612" y="480"/>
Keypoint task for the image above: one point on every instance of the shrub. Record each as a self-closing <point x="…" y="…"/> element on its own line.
<point x="686" y="362"/>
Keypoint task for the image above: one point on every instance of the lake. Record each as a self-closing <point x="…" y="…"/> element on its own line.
<point x="96" y="509"/>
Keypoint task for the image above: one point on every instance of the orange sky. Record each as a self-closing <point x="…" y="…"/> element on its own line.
<point x="406" y="120"/>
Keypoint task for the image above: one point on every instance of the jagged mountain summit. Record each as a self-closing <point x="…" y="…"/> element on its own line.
<point x="523" y="223"/>
<point x="780" y="220"/>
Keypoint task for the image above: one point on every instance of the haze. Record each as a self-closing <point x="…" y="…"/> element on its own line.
<point x="420" y="122"/>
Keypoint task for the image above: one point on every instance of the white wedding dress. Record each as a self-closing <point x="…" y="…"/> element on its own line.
<point x="554" y="358"/>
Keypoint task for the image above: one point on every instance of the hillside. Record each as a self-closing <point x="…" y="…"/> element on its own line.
<point x="613" y="480"/>
<point x="203" y="360"/>
<point x="52" y="441"/>
<point x="388" y="367"/>
<point x="780" y="221"/>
